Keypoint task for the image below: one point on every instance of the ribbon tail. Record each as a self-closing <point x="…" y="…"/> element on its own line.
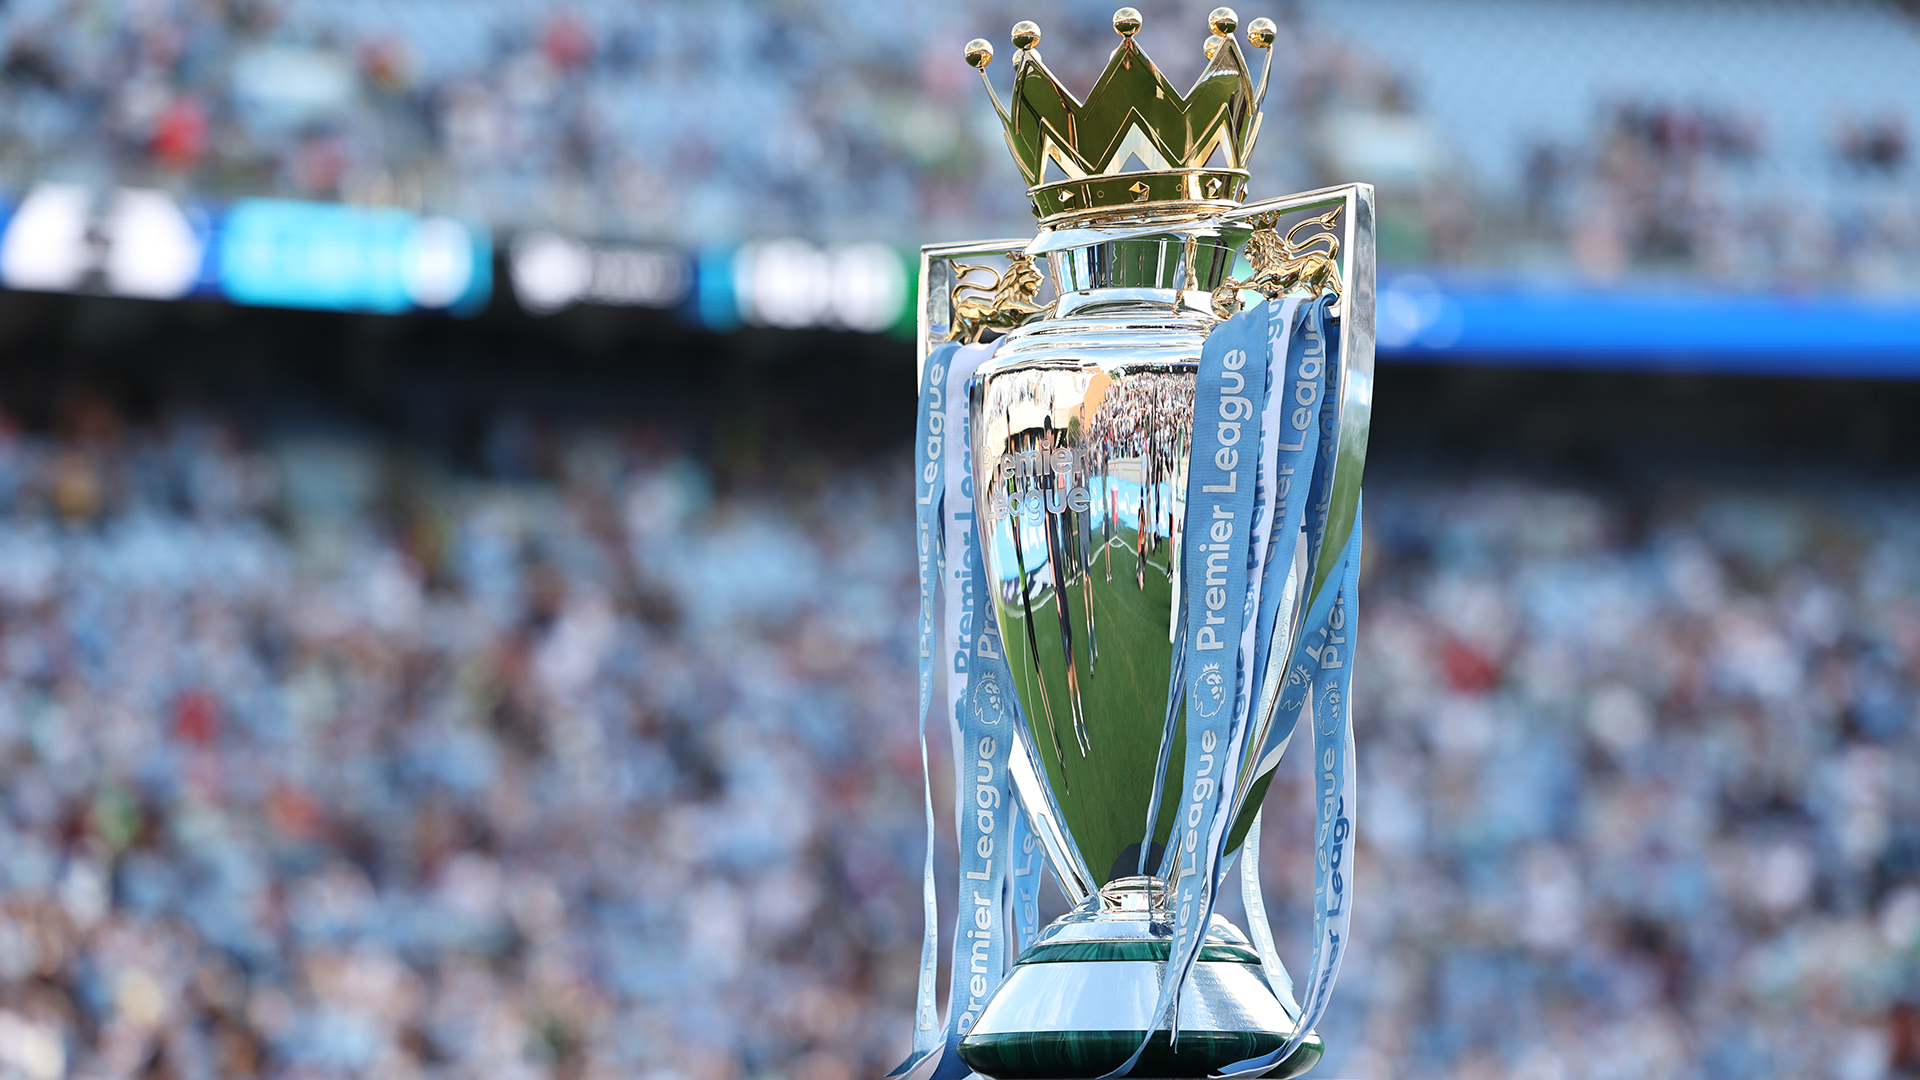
<point x="1253" y="897"/>
<point x="1335" y="726"/>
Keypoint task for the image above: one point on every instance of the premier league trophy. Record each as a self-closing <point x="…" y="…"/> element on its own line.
<point x="1141" y="438"/>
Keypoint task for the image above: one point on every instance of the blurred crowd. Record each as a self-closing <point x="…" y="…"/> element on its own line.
<point x="321" y="761"/>
<point x="1637" y="793"/>
<point x="711" y="123"/>
<point x="1659" y="187"/>
<point x="597" y="775"/>
<point x="697" y="123"/>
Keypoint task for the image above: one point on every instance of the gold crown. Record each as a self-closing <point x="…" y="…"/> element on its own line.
<point x="1136" y="142"/>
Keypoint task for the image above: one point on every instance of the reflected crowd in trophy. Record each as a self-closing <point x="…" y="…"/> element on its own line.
<point x="1135" y="418"/>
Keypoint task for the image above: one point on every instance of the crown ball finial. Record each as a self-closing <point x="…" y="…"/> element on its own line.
<point x="1026" y="34"/>
<point x="1223" y="21"/>
<point x="1213" y="45"/>
<point x="1261" y="33"/>
<point x="1126" y="21"/>
<point x="979" y="53"/>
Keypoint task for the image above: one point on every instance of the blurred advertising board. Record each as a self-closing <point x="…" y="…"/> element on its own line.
<point x="787" y="284"/>
<point x="1427" y="319"/>
<point x="552" y="272"/>
<point x="128" y="242"/>
<point x="791" y="284"/>
<point x="144" y="243"/>
<point x="280" y="253"/>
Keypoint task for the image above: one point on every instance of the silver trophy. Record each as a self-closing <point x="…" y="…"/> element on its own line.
<point x="1144" y="245"/>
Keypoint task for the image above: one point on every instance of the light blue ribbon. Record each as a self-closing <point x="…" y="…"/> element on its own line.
<point x="1232" y="590"/>
<point x="1281" y="497"/>
<point x="1320" y="669"/>
<point x="929" y="489"/>
<point x="1302" y="459"/>
<point x="1023" y="883"/>
<point x="989" y="827"/>
<point x="986" y="713"/>
<point x="1295" y="488"/>
<point x="1323" y="668"/>
<point x="1217" y="548"/>
<point x="984" y="719"/>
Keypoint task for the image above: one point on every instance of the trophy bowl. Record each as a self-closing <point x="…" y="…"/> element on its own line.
<point x="1083" y="423"/>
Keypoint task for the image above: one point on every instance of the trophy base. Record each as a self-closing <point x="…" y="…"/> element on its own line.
<point x="1042" y="1055"/>
<point x="1079" y="1002"/>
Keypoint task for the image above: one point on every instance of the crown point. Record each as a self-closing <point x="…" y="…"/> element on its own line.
<point x="979" y="53"/>
<point x="1261" y="32"/>
<point x="1126" y="21"/>
<point x="1213" y="45"/>
<point x="1223" y="21"/>
<point x="1026" y="34"/>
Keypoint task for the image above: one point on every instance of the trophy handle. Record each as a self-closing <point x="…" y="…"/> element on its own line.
<point x="940" y="273"/>
<point x="1347" y="213"/>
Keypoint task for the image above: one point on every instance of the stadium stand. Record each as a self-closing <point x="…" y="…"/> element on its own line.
<point x="582" y="747"/>
<point x="1559" y="138"/>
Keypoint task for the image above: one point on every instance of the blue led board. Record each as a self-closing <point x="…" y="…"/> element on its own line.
<point x="1841" y="336"/>
<point x="281" y="253"/>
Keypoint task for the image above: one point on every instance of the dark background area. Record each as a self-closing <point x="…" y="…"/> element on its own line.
<point x="760" y="397"/>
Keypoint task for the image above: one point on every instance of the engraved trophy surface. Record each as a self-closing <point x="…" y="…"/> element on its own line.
<point x="1082" y="422"/>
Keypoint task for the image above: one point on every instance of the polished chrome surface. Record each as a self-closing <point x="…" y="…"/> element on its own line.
<point x="1081" y="428"/>
<point x="1132" y="908"/>
<point x="1127" y="909"/>
<point x="1120" y="994"/>
<point x="1183" y="260"/>
<point x="1068" y="866"/>
<point x="1082" y="424"/>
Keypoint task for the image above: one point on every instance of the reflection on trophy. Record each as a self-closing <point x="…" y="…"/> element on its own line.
<point x="1083" y="427"/>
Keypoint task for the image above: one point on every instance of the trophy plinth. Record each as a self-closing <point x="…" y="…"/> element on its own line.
<point x="1081" y="999"/>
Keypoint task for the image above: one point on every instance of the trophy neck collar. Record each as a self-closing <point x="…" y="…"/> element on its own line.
<point x="1169" y="264"/>
<point x="1120" y="301"/>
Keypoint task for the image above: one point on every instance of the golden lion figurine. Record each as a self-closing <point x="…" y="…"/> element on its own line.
<point x="1006" y="301"/>
<point x="1281" y="265"/>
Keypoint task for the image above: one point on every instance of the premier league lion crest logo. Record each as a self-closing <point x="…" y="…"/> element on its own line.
<point x="1332" y="700"/>
<point x="1209" y="692"/>
<point x="989" y="702"/>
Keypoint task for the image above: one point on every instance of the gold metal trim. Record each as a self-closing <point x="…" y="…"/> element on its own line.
<point x="934" y="299"/>
<point x="1132" y="112"/>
